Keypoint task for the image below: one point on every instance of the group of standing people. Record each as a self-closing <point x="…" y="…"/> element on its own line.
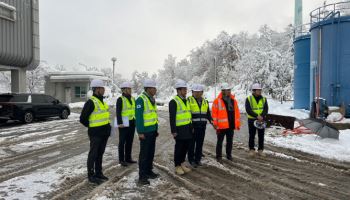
<point x="188" y="117"/>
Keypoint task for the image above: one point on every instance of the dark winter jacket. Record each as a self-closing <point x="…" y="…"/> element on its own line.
<point x="183" y="132"/>
<point x="101" y="131"/>
<point x="201" y="124"/>
<point x="119" y="107"/>
<point x="141" y="129"/>
<point x="250" y="111"/>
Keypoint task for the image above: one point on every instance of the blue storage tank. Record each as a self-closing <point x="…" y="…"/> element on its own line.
<point x="330" y="54"/>
<point x="302" y="72"/>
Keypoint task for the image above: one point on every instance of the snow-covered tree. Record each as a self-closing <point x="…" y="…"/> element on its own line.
<point x="137" y="79"/>
<point x="5" y="82"/>
<point x="36" y="78"/>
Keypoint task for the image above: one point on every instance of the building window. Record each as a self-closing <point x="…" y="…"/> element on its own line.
<point x="80" y="92"/>
<point x="7" y="12"/>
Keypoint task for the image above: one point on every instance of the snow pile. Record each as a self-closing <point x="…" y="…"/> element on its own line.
<point x="275" y="107"/>
<point x="334" y="117"/>
<point x="328" y="148"/>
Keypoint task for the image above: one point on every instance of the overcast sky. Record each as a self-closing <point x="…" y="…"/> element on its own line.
<point x="141" y="33"/>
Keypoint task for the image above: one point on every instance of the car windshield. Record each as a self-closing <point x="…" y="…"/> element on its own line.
<point x="13" y="98"/>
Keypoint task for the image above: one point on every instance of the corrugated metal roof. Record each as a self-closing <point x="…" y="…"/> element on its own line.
<point x="19" y="36"/>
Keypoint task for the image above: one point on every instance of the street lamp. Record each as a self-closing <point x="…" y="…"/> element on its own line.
<point x="114" y="59"/>
<point x="215" y="75"/>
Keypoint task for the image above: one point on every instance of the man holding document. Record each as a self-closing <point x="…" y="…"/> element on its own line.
<point x="126" y="124"/>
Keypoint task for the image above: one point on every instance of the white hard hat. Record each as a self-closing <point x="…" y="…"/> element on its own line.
<point x="126" y="85"/>
<point x="256" y="86"/>
<point x="97" y="83"/>
<point x="180" y="84"/>
<point x="197" y="87"/>
<point x="225" y="86"/>
<point x="149" y="83"/>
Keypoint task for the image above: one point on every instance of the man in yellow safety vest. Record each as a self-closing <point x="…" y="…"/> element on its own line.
<point x="181" y="126"/>
<point x="147" y="128"/>
<point x="200" y="116"/>
<point x="125" y="114"/>
<point x="96" y="117"/>
<point x="257" y="109"/>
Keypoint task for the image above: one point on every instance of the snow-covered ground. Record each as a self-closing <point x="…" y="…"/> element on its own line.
<point x="31" y="186"/>
<point x="328" y="148"/>
<point x="275" y="107"/>
<point x="36" y="184"/>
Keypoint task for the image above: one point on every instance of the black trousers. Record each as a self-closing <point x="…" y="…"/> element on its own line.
<point x="126" y="138"/>
<point x="229" y="141"/>
<point x="181" y="149"/>
<point x="147" y="149"/>
<point x="252" y="133"/>
<point x="196" y="145"/>
<point x="97" y="149"/>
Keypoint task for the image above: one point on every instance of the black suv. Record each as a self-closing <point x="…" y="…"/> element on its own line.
<point x="28" y="107"/>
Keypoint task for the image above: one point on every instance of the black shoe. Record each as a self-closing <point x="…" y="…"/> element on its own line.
<point x="123" y="163"/>
<point x="193" y="164"/>
<point x="102" y="177"/>
<point x="229" y="158"/>
<point x="95" y="180"/>
<point x="131" y="161"/>
<point x="144" y="181"/>
<point x="199" y="163"/>
<point x="152" y="175"/>
<point x="219" y="160"/>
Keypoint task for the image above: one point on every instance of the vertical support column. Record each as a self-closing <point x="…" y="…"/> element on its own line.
<point x="18" y="80"/>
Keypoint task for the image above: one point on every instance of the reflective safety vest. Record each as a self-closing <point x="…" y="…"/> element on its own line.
<point x="219" y="113"/>
<point x="198" y="114"/>
<point x="257" y="108"/>
<point x="183" y="112"/>
<point x="150" y="116"/>
<point x="128" y="110"/>
<point x="100" y="115"/>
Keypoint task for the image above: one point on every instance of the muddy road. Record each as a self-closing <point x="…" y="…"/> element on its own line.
<point x="47" y="160"/>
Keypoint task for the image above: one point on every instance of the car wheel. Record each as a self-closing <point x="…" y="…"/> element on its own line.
<point x="28" y="117"/>
<point x="64" y="114"/>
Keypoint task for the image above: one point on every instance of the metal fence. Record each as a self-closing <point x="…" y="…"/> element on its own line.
<point x="327" y="11"/>
<point x="302" y="30"/>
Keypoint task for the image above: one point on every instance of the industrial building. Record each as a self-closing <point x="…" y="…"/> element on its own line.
<point x="71" y="87"/>
<point x="322" y="58"/>
<point x="19" y="39"/>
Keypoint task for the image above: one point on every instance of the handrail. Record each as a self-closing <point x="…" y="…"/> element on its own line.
<point x="323" y="12"/>
<point x="302" y="30"/>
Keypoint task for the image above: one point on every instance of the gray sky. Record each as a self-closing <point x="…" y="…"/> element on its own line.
<point x="141" y="33"/>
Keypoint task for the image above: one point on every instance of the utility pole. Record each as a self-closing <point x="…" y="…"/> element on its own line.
<point x="114" y="59"/>
<point x="215" y="74"/>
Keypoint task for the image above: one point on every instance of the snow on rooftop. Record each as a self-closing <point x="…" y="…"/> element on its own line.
<point x="76" y="73"/>
<point x="74" y="77"/>
<point x="68" y="75"/>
